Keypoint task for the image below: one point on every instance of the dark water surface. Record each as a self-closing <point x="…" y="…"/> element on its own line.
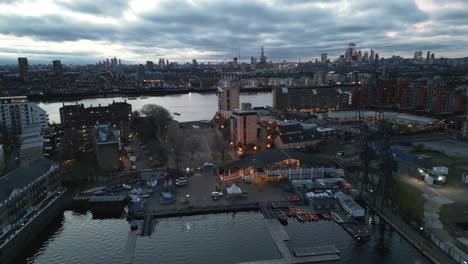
<point x="221" y="238"/>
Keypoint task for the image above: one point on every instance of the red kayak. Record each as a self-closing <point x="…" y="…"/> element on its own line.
<point x="315" y="217"/>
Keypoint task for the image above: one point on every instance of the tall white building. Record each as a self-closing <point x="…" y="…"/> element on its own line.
<point x="17" y="112"/>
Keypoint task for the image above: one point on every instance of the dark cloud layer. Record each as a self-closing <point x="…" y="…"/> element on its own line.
<point x="289" y="29"/>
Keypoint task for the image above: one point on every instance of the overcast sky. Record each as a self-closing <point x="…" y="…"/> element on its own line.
<point x="82" y="31"/>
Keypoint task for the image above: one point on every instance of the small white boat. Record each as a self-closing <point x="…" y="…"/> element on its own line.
<point x="176" y="114"/>
<point x="337" y="217"/>
<point x="144" y="97"/>
<point x="145" y="195"/>
<point x="132" y="98"/>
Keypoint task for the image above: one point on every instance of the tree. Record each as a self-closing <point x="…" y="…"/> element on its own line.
<point x="154" y="121"/>
<point x="176" y="144"/>
<point x="221" y="146"/>
<point x="192" y="145"/>
<point x="155" y="148"/>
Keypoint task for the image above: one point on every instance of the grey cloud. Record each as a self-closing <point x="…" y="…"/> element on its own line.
<point x="96" y="7"/>
<point x="288" y="29"/>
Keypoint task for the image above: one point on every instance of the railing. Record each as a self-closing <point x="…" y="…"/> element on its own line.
<point x="235" y="176"/>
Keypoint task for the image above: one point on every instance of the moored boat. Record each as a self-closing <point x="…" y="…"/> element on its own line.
<point x="337" y="217"/>
<point x="133" y="224"/>
<point x="282" y="217"/>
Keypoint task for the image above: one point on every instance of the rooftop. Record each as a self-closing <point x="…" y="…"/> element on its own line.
<point x="271" y="157"/>
<point x="23" y="176"/>
<point x="104" y="134"/>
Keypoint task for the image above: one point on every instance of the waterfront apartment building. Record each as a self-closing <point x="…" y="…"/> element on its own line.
<point x="106" y="147"/>
<point x="17" y="113"/>
<point x="24" y="192"/>
<point x="243" y="127"/>
<point x="308" y="99"/>
<point x="80" y="117"/>
<point x="228" y="98"/>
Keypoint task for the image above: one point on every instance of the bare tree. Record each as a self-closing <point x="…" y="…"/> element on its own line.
<point x="176" y="146"/>
<point x="155" y="148"/>
<point x="193" y="146"/>
<point x="220" y="145"/>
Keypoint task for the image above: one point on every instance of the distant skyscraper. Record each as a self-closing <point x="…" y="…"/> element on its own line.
<point x="323" y="57"/>
<point x="57" y="67"/>
<point x="23" y="68"/>
<point x="366" y="55"/>
<point x="377" y="59"/>
<point x="235" y="62"/>
<point x="263" y="59"/>
<point x="432" y="56"/>
<point x="418" y="55"/>
<point x="120" y="62"/>
<point x="167" y="62"/>
<point x="351" y="53"/>
<point x="140" y="73"/>
<point x="194" y="63"/>
<point x="371" y="55"/>
<point x="428" y="56"/>
<point x="149" y="65"/>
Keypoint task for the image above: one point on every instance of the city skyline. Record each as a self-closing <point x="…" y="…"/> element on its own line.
<point x="87" y="31"/>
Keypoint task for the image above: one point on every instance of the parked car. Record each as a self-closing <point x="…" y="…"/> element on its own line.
<point x="208" y="164"/>
<point x="216" y="195"/>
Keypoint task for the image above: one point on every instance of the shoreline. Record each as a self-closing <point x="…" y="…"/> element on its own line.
<point x="50" y="98"/>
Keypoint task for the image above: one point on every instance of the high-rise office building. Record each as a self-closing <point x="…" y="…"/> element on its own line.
<point x="194" y="63"/>
<point x="323" y="57"/>
<point x="263" y="59"/>
<point x="351" y="53"/>
<point x="23" y="68"/>
<point x="57" y="67"/>
<point x="418" y="55"/>
<point x="377" y="58"/>
<point x="149" y="65"/>
<point x="17" y="112"/>
<point x="140" y="73"/>
<point x="366" y="56"/>
<point x="432" y="56"/>
<point x="371" y="55"/>
<point x="428" y="56"/>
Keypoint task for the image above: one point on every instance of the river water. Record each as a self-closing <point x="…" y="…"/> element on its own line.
<point x="219" y="238"/>
<point x="191" y="106"/>
<point x="222" y="238"/>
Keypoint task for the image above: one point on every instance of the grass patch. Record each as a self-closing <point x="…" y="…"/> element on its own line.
<point x="440" y="159"/>
<point x="410" y="202"/>
<point x="450" y="215"/>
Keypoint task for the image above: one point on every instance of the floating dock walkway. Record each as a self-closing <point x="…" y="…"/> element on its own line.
<point x="303" y="255"/>
<point x="148" y="226"/>
<point x="129" y="250"/>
